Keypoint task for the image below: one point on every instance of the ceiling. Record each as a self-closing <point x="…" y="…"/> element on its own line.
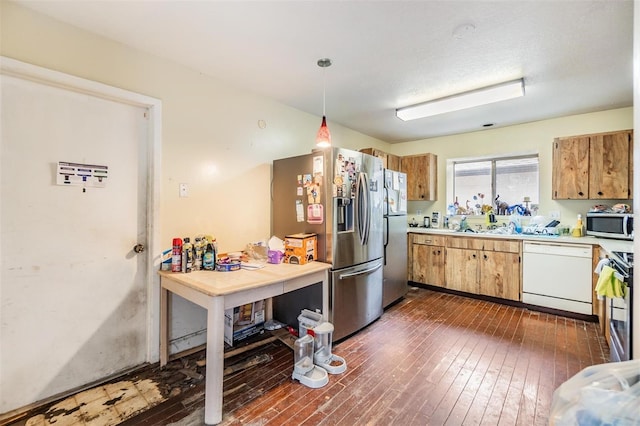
<point x="575" y="56"/>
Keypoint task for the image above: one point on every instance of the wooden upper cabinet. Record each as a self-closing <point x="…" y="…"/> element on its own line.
<point x="570" y="177"/>
<point x="393" y="162"/>
<point x="609" y="159"/>
<point x="598" y="166"/>
<point x="422" y="176"/>
<point x="389" y="161"/>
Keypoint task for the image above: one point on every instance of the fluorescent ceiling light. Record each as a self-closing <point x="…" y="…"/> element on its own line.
<point x="486" y="95"/>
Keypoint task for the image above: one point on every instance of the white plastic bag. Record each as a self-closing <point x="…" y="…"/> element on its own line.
<point x="604" y="394"/>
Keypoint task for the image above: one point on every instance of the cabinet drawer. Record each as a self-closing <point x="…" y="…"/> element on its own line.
<point x="466" y="243"/>
<point x="429" y="240"/>
<point x="508" y="246"/>
<point x="487" y="244"/>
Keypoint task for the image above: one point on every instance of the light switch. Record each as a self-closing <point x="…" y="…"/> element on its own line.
<point x="184" y="190"/>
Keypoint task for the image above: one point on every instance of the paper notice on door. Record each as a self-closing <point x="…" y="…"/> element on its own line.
<point x="402" y="195"/>
<point x="299" y="211"/>
<point x="396" y="181"/>
<point x="318" y="165"/>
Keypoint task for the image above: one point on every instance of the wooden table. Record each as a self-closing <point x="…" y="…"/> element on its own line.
<point x="217" y="291"/>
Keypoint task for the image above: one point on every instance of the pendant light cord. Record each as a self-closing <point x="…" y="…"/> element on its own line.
<point x="324" y="90"/>
<point x="324" y="63"/>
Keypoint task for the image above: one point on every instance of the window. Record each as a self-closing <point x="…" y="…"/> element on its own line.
<point x="477" y="183"/>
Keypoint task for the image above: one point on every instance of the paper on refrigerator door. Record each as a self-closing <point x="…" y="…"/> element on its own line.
<point x="299" y="211"/>
<point x="402" y="196"/>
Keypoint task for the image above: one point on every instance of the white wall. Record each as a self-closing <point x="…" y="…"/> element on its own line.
<point x="211" y="139"/>
<point x="210" y="136"/>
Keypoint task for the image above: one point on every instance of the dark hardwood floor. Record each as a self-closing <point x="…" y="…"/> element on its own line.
<point x="432" y="359"/>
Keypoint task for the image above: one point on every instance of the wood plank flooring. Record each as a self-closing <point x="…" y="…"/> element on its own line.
<point x="432" y="359"/>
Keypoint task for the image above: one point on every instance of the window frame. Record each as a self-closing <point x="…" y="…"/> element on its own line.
<point x="489" y="158"/>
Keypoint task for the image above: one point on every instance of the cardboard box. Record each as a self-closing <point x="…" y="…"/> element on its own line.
<point x="300" y="248"/>
<point x="243" y="321"/>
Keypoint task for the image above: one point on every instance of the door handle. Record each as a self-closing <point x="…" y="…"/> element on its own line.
<point x="366" y="271"/>
<point x="138" y="248"/>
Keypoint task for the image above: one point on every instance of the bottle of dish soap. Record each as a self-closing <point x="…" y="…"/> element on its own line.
<point x="578" y="229"/>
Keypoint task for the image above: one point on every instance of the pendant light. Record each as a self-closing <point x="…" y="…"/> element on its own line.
<point x="323" y="138"/>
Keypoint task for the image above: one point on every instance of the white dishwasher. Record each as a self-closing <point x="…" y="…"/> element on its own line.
<point x="557" y="275"/>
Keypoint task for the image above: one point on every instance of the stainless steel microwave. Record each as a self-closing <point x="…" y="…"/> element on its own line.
<point x="610" y="225"/>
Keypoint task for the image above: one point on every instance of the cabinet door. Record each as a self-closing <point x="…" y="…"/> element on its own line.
<point x="422" y="175"/>
<point x="609" y="166"/>
<point x="428" y="264"/>
<point x="462" y="270"/>
<point x="570" y="175"/>
<point x="500" y="275"/>
<point x="377" y="153"/>
<point x="393" y="162"/>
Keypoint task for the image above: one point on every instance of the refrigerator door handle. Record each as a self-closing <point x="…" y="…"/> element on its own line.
<point x="386" y="201"/>
<point x="385" y="239"/>
<point x="363" y="272"/>
<point x="364" y="218"/>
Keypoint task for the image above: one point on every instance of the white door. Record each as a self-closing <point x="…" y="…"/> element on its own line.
<point x="74" y="294"/>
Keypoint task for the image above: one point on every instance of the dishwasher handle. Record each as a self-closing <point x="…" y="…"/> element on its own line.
<point x="558" y="249"/>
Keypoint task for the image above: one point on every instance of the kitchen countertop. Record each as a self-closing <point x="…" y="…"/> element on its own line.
<point x="607" y="244"/>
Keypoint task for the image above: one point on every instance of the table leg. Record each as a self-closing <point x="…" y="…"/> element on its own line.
<point x="164" y="326"/>
<point x="215" y="361"/>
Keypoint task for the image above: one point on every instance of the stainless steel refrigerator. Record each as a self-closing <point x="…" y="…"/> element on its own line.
<point x="338" y="195"/>
<point x="395" y="237"/>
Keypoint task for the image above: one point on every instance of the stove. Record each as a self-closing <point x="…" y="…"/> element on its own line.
<point x="625" y="257"/>
<point x="620" y="309"/>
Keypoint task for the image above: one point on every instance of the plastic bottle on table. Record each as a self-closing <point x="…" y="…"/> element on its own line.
<point x="209" y="258"/>
<point x="176" y="255"/>
<point x="187" y="255"/>
<point x="198" y="251"/>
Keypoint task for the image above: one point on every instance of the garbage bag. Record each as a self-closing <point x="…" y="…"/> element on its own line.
<point x="600" y="395"/>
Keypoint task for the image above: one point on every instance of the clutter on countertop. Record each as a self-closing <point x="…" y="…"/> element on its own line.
<point x="578" y="229"/>
<point x="185" y="256"/>
<point x="300" y="249"/>
<point x="202" y="254"/>
<point x="275" y="253"/>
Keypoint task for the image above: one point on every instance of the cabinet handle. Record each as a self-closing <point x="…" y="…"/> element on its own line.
<point x="473" y="255"/>
<point x="599" y="192"/>
<point x="581" y="193"/>
<point x="438" y="251"/>
<point x="485" y="256"/>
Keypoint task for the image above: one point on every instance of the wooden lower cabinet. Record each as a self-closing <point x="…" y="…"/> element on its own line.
<point x="462" y="270"/>
<point x="427" y="259"/>
<point x="490" y="267"/>
<point x="499" y="275"/>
